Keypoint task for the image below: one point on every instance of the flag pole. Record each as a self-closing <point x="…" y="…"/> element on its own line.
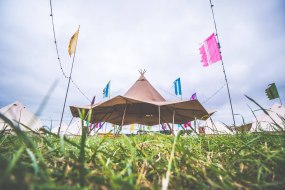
<point x="68" y="85"/>
<point x="279" y="97"/>
<point x="180" y="88"/>
<point x="159" y="118"/>
<point x="109" y="89"/>
<point x="223" y="63"/>
<point x="280" y="100"/>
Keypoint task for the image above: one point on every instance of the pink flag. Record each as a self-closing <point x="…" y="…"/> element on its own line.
<point x="210" y="51"/>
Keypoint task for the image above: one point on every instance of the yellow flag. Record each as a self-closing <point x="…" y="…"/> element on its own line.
<point x="132" y="127"/>
<point x="73" y="43"/>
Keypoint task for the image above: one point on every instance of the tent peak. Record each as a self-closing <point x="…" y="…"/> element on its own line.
<point x="144" y="91"/>
<point x="142" y="72"/>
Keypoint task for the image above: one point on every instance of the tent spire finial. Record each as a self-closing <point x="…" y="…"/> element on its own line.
<point x="142" y="72"/>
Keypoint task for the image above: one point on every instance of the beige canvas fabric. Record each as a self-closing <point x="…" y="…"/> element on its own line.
<point x="18" y="113"/>
<point x="143" y="90"/>
<point x="141" y="104"/>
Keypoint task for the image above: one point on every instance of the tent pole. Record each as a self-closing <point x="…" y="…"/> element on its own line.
<point x="195" y="124"/>
<point x="214" y="125"/>
<point x="20" y="117"/>
<point x="280" y="100"/>
<point x="159" y="118"/>
<point x="109" y="90"/>
<point x="173" y="120"/>
<point x="50" y="125"/>
<point x="123" y="119"/>
<point x="223" y="64"/>
<point x="69" y="125"/>
<point x="67" y="89"/>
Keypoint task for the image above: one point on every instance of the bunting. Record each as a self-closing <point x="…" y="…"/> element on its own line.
<point x="132" y="128"/>
<point x="194" y="96"/>
<point x="106" y="90"/>
<point x="73" y="43"/>
<point x="210" y="51"/>
<point x="272" y="92"/>
<point x="177" y="87"/>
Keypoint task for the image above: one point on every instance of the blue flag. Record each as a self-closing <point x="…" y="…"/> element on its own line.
<point x="177" y="87"/>
<point x="106" y="90"/>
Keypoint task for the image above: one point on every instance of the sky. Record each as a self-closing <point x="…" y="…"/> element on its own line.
<point x="119" y="37"/>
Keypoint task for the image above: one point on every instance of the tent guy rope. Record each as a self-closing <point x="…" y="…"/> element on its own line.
<point x="58" y="57"/>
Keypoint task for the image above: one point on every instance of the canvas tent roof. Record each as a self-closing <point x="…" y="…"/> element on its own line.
<point x="263" y="122"/>
<point x="142" y="104"/>
<point x="18" y="113"/>
<point x="143" y="90"/>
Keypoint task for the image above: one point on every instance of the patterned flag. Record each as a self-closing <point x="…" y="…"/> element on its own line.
<point x="194" y="96"/>
<point x="177" y="87"/>
<point x="210" y="51"/>
<point x="271" y="92"/>
<point x="73" y="43"/>
<point x="99" y="125"/>
<point x="187" y="124"/>
<point x="85" y="123"/>
<point x="106" y="90"/>
<point x="132" y="127"/>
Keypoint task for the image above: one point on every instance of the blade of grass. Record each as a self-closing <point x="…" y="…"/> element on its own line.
<point x="82" y="170"/>
<point x="28" y="142"/>
<point x="12" y="164"/>
<point x="165" y="181"/>
<point x="34" y="161"/>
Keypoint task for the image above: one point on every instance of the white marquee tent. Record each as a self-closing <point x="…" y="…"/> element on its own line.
<point x="18" y="113"/>
<point x="74" y="129"/>
<point x="263" y="122"/>
<point x="215" y="127"/>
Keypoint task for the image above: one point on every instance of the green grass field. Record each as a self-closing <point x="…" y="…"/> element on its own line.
<point x="46" y="161"/>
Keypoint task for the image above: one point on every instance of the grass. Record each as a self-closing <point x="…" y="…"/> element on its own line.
<point x="151" y="161"/>
<point x="243" y="161"/>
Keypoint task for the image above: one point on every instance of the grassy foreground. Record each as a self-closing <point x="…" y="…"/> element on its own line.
<point x="245" y="161"/>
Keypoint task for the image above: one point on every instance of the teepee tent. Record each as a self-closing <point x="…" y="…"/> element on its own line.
<point x="264" y="122"/>
<point x="142" y="104"/>
<point x="19" y="114"/>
